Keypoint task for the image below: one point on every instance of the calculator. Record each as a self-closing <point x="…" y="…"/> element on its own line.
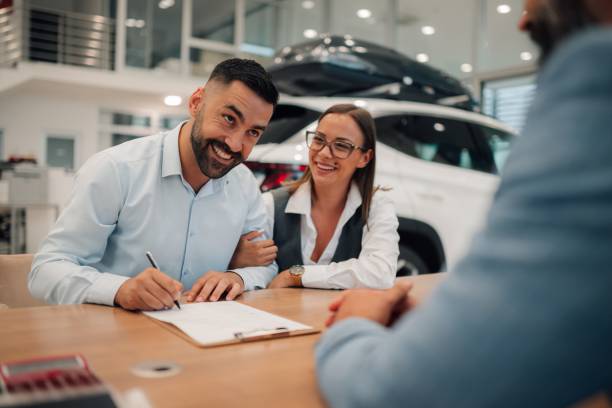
<point x="57" y="381"/>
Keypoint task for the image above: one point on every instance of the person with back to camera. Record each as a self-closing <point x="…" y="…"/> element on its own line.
<point x="332" y="227"/>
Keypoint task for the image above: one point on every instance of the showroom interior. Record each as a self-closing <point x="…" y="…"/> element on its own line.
<point x="305" y="203"/>
<point x="81" y="76"/>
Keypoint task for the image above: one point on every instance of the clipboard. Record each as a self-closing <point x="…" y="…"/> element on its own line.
<point x="212" y="324"/>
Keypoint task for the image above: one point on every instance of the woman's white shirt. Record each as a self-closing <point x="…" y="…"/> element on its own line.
<point x="376" y="265"/>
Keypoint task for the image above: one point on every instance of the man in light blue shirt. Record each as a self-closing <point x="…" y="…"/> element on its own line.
<point x="182" y="194"/>
<point x="525" y="320"/>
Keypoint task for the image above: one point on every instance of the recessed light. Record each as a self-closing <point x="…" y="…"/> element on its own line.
<point x="173" y="100"/>
<point x="467" y="68"/>
<point x="364" y="13"/>
<point x="422" y="57"/>
<point x="407" y="80"/>
<point x="504" y="9"/>
<point x="428" y="30"/>
<point x="278" y="60"/>
<point x="299" y="57"/>
<point x="439" y="127"/>
<point x="310" y="33"/>
<point x="308" y="4"/>
<point x="360" y="49"/>
<point x="164" y="4"/>
<point x="349" y="43"/>
<point x="360" y="103"/>
<point x="526" y="56"/>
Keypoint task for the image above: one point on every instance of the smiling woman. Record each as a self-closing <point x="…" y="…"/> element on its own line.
<point x="332" y="228"/>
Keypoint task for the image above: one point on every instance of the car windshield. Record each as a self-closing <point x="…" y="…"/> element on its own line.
<point x="286" y="121"/>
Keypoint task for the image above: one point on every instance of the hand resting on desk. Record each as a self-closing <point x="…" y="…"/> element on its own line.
<point x="213" y="285"/>
<point x="381" y="306"/>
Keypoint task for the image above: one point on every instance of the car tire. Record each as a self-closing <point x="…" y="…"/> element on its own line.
<point x="410" y="263"/>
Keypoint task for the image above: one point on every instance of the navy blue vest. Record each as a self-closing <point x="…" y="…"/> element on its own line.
<point x="289" y="240"/>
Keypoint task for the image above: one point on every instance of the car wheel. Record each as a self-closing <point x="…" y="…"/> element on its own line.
<point x="410" y="263"/>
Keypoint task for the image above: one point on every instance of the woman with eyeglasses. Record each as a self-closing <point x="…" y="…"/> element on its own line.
<point x="332" y="228"/>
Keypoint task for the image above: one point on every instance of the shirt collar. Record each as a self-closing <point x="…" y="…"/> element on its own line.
<point x="300" y="201"/>
<point x="171" y="160"/>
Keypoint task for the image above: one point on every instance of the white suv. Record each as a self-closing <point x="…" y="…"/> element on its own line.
<point x="442" y="165"/>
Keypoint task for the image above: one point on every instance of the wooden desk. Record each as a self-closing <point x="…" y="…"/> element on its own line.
<point x="269" y="373"/>
<point x="276" y="372"/>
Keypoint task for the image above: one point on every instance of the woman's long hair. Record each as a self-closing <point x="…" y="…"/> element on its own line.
<point x="363" y="177"/>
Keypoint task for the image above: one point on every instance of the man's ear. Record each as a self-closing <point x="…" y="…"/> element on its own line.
<point x="365" y="159"/>
<point x="195" y="101"/>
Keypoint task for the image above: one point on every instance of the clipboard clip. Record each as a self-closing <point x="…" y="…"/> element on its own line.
<point x="260" y="334"/>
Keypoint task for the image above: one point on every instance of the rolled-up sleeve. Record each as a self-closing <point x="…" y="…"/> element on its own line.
<point x="376" y="265"/>
<point x="79" y="238"/>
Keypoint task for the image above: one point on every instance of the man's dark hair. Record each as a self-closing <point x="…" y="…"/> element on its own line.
<point x="250" y="73"/>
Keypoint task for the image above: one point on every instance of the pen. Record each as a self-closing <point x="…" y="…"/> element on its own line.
<point x="154" y="264"/>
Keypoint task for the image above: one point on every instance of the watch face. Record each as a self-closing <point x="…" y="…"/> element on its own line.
<point x="296" y="270"/>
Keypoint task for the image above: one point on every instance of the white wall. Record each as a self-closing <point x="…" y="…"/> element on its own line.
<point x="27" y="119"/>
<point x="29" y="113"/>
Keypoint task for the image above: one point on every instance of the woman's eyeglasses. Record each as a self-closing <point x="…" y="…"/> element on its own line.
<point x="340" y="149"/>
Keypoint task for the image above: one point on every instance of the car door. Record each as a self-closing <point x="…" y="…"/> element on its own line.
<point x="443" y="172"/>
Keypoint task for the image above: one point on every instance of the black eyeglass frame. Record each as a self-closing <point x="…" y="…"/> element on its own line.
<point x="331" y="145"/>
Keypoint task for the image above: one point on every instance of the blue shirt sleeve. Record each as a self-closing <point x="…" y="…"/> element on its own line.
<point x="526" y="317"/>
<point x="79" y="237"/>
<point x="257" y="277"/>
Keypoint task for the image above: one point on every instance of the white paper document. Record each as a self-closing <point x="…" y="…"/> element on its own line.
<point x="210" y="323"/>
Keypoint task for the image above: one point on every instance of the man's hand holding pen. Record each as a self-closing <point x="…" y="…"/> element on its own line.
<point x="149" y="290"/>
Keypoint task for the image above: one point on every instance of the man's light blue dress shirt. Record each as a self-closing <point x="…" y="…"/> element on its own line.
<point x="132" y="198"/>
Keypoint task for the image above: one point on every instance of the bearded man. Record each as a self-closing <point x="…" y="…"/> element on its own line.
<point x="183" y="195"/>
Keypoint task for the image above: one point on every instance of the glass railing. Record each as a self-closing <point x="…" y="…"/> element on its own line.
<point x="39" y="34"/>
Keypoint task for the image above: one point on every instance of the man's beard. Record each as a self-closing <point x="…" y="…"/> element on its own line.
<point x="555" y="21"/>
<point x="202" y="149"/>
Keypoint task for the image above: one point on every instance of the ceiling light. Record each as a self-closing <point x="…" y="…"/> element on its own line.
<point x="278" y="60"/>
<point x="364" y="13"/>
<point x="299" y="57"/>
<point x="360" y="103"/>
<point x="428" y="30"/>
<point x="297" y="157"/>
<point x="467" y="68"/>
<point x="360" y="49"/>
<point x="439" y="127"/>
<point x="526" y="56"/>
<point x="310" y="33"/>
<point x="164" y="4"/>
<point x="407" y="80"/>
<point x="308" y="4"/>
<point x="349" y="43"/>
<point x="504" y="9"/>
<point x="422" y="57"/>
<point x="173" y="100"/>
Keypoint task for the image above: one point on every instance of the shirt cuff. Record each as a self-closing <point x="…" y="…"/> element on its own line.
<point x="345" y="331"/>
<point x="248" y="284"/>
<point x="315" y="276"/>
<point x="104" y="289"/>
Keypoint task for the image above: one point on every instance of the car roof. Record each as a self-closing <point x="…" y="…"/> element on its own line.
<point x="384" y="107"/>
